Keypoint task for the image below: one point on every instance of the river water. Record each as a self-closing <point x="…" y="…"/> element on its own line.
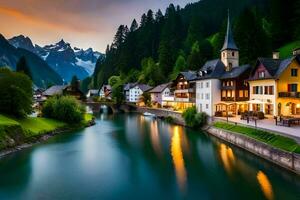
<point x="135" y="157"/>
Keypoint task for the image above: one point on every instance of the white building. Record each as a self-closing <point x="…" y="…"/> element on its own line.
<point x="134" y="91"/>
<point x="208" y="87"/>
<point x="161" y="93"/>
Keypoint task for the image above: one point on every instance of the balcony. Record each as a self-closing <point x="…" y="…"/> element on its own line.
<point x="189" y="90"/>
<point x="227" y="99"/>
<point x="185" y="100"/>
<point x="289" y="95"/>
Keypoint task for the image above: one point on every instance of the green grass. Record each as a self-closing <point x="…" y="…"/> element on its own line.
<point x="5" y="121"/>
<point x="88" y="117"/>
<point x="287" y="50"/>
<point x="34" y="126"/>
<point x="270" y="138"/>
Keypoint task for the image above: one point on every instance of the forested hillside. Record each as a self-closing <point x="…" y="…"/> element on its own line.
<point x="156" y="49"/>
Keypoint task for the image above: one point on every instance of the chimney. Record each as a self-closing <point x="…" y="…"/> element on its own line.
<point x="296" y="52"/>
<point x="275" y="54"/>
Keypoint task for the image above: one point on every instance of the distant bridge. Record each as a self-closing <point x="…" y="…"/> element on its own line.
<point x="115" y="108"/>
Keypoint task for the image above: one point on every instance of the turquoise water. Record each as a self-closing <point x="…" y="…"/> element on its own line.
<point x="135" y="157"/>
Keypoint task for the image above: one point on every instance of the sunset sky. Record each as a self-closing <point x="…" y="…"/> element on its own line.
<point x="83" y="23"/>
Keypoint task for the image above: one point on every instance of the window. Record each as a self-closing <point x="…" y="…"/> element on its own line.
<point x="223" y="54"/>
<point x="201" y="85"/>
<point x="271" y="90"/>
<point x="232" y="53"/>
<point x="261" y="74"/>
<point x="241" y="93"/>
<point x="207" y="84"/>
<point x="294" y="72"/>
<point x="246" y="93"/>
<point x="224" y="93"/>
<point x="207" y="96"/>
<point x="202" y="96"/>
<point x="292" y="87"/>
<point x="231" y="83"/>
<point x="207" y="106"/>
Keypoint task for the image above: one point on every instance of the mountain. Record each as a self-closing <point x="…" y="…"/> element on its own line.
<point x="43" y="74"/>
<point x="64" y="59"/>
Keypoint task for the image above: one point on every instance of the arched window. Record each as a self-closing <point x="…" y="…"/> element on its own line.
<point x="232" y="53"/>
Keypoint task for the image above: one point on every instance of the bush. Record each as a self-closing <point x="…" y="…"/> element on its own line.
<point x="15" y="93"/>
<point x="194" y="119"/>
<point x="169" y="119"/>
<point x="63" y="108"/>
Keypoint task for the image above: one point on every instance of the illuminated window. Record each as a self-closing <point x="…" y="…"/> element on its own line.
<point x="241" y="93"/>
<point x="294" y="72"/>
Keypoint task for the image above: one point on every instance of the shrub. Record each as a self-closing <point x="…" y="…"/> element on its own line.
<point x="15" y="93"/>
<point x="63" y="108"/>
<point x="194" y="119"/>
<point x="169" y="119"/>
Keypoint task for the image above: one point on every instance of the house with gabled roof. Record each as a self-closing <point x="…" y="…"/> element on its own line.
<point x="275" y="86"/>
<point x="161" y="95"/>
<point x="134" y="91"/>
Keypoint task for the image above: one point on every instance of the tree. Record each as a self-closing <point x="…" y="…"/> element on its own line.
<point x="250" y="37"/>
<point x="194" y="119"/>
<point x="180" y="66"/>
<point x="15" y="93"/>
<point x="63" y="108"/>
<point x="146" y="99"/>
<point x="194" y="59"/>
<point x="113" y="80"/>
<point x="75" y="83"/>
<point x="22" y="66"/>
<point x="134" y="26"/>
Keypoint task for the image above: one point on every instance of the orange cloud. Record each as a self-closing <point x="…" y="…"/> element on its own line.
<point x="36" y="21"/>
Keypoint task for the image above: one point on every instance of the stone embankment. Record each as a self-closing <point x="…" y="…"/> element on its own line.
<point x="290" y="161"/>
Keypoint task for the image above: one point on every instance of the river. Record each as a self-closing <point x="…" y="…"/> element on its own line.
<point x="130" y="156"/>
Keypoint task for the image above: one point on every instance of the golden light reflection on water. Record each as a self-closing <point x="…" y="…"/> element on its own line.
<point x="178" y="160"/>
<point x="227" y="157"/>
<point x="155" y="139"/>
<point x="265" y="185"/>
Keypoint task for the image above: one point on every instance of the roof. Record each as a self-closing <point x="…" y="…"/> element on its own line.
<point x="275" y="67"/>
<point x="93" y="91"/>
<point x="189" y="75"/>
<point x="144" y="87"/>
<point x="229" y="41"/>
<point x="160" y="88"/>
<point x="236" y="72"/>
<point x="211" y="69"/>
<point x="55" y="90"/>
<point x="128" y="86"/>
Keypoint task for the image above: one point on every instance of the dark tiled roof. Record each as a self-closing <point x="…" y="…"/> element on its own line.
<point x="189" y="75"/>
<point x="128" y="86"/>
<point x="236" y="72"/>
<point x="160" y="88"/>
<point x="229" y="41"/>
<point x="144" y="87"/>
<point x="211" y="69"/>
<point x="55" y="90"/>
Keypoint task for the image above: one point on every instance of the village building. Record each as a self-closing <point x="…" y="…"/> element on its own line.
<point x="64" y="90"/>
<point x="274" y="86"/>
<point x="161" y="94"/>
<point x="134" y="91"/>
<point x="105" y="92"/>
<point x="221" y="89"/>
<point x="93" y="93"/>
<point x="184" y="91"/>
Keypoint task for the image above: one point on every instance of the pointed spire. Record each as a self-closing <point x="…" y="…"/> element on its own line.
<point x="229" y="43"/>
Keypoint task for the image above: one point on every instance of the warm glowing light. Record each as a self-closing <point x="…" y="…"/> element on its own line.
<point x="298" y="105"/>
<point x="155" y="140"/>
<point x="178" y="160"/>
<point x="227" y="157"/>
<point x="265" y="185"/>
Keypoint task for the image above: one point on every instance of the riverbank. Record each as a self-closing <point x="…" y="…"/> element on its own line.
<point x="18" y="134"/>
<point x="275" y="148"/>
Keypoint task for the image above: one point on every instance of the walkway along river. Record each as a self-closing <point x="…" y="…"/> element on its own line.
<point x="128" y="156"/>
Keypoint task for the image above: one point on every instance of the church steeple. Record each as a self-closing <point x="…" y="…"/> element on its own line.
<point x="229" y="43"/>
<point x="229" y="52"/>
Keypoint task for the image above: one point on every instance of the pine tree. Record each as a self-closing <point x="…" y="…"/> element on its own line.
<point x="22" y="66"/>
<point x="134" y="26"/>
<point x="75" y="83"/>
<point x="143" y="20"/>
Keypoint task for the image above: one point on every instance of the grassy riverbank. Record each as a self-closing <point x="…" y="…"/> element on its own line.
<point x="272" y="139"/>
<point x="14" y="132"/>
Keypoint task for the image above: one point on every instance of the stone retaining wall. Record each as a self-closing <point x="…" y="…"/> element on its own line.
<point x="163" y="113"/>
<point x="290" y="161"/>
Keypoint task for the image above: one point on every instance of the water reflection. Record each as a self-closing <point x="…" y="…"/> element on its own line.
<point x="265" y="185"/>
<point x="155" y="139"/>
<point x="227" y="157"/>
<point x="178" y="160"/>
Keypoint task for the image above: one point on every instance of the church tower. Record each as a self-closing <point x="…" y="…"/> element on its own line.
<point x="229" y="52"/>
